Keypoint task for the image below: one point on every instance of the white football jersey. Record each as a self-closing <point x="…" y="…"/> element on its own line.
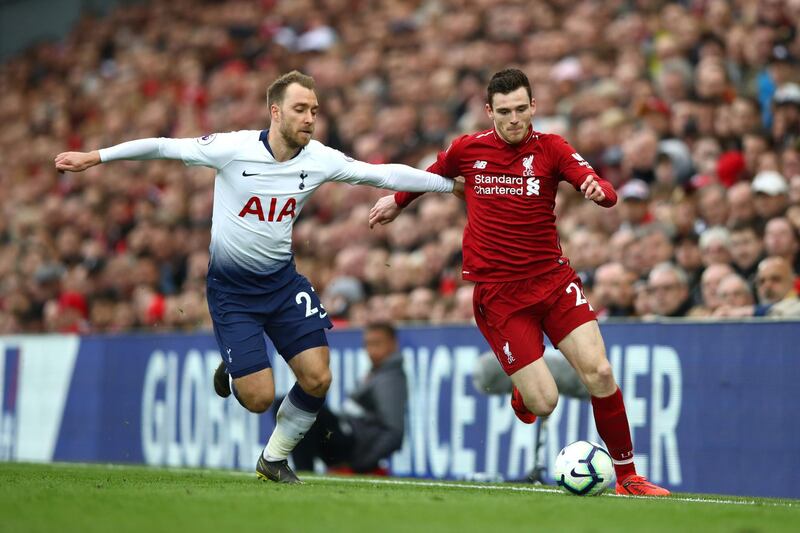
<point x="257" y="199"/>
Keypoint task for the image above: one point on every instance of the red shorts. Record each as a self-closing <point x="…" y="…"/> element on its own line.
<point x="513" y="315"/>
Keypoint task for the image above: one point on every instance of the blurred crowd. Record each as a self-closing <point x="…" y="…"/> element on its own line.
<point x="691" y="109"/>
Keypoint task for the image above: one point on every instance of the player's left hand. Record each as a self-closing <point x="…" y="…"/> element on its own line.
<point x="591" y="189"/>
<point x="384" y="211"/>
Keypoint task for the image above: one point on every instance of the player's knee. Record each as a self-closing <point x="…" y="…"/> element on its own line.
<point x="542" y="406"/>
<point x="317" y="383"/>
<point x="544" y="410"/>
<point x="259" y="402"/>
<point x="600" y="376"/>
<point x="604" y="373"/>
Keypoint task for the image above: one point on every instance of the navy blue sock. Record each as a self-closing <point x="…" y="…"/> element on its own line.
<point x="303" y="400"/>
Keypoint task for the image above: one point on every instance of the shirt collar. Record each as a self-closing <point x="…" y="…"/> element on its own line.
<point x="264" y="138"/>
<point x="526" y="140"/>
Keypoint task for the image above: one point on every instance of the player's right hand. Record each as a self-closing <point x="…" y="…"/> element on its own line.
<point x="76" y="161"/>
<point x="384" y="211"/>
<point x="591" y="189"/>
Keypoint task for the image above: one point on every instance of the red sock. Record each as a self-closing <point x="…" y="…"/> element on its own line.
<point x="612" y="425"/>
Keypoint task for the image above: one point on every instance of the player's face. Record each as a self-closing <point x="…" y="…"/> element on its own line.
<point x="379" y="345"/>
<point x="296" y="116"/>
<point x="512" y="114"/>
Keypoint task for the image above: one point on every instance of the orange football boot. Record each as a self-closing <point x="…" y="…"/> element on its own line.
<point x="636" y="485"/>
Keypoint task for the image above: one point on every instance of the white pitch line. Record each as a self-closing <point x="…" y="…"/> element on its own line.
<point x="512" y="488"/>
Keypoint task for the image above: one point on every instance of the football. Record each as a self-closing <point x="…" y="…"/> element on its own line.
<point x="584" y="468"/>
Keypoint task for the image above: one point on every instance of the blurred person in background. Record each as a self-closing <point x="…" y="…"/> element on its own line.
<point x="747" y="249"/>
<point x="775" y="287"/>
<point x="462" y="309"/>
<point x="712" y="204"/>
<point x="781" y="240"/>
<point x="524" y="286"/>
<point x="690" y="259"/>
<point x="786" y="115"/>
<point x="715" y="244"/>
<point x="587" y="249"/>
<point x="420" y="303"/>
<point x="635" y="205"/>
<point x="656" y="244"/>
<point x="741" y="204"/>
<point x="263" y="180"/>
<point x="371" y="423"/>
<point x="668" y="287"/>
<point x="771" y="195"/>
<point x="613" y="291"/>
<point x="733" y="291"/>
<point x="709" y="283"/>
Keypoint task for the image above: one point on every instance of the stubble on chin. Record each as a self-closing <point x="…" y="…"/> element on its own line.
<point x="294" y="142"/>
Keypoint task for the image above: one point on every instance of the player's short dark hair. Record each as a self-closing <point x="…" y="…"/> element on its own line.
<point x="507" y="81"/>
<point x="384" y="327"/>
<point x="277" y="90"/>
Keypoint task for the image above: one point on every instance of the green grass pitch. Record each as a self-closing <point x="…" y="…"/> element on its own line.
<point x="117" y="499"/>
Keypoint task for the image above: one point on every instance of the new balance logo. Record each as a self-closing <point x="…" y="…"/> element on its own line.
<point x="509" y="355"/>
<point x="581" y="161"/>
<point x="479" y="164"/>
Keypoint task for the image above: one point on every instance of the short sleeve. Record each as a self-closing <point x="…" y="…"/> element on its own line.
<point x="446" y="163"/>
<point x="341" y="167"/>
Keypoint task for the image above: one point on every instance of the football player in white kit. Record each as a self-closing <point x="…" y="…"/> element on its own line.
<point x="263" y="180"/>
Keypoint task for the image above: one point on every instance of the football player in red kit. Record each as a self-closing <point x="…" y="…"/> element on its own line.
<point x="524" y="286"/>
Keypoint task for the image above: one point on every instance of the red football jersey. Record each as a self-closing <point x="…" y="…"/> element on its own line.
<point x="510" y="193"/>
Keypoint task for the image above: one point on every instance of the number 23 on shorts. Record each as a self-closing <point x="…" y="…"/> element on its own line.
<point x="304" y="298"/>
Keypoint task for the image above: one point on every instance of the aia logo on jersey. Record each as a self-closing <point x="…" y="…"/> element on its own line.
<point x="253" y="207"/>
<point x="527" y="165"/>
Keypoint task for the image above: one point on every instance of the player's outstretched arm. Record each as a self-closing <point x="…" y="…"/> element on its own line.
<point x="391" y="176"/>
<point x="188" y="150"/>
<point x="386" y="209"/>
<point x="77" y="161"/>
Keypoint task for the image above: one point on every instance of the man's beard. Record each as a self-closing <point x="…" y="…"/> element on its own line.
<point x="291" y="142"/>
